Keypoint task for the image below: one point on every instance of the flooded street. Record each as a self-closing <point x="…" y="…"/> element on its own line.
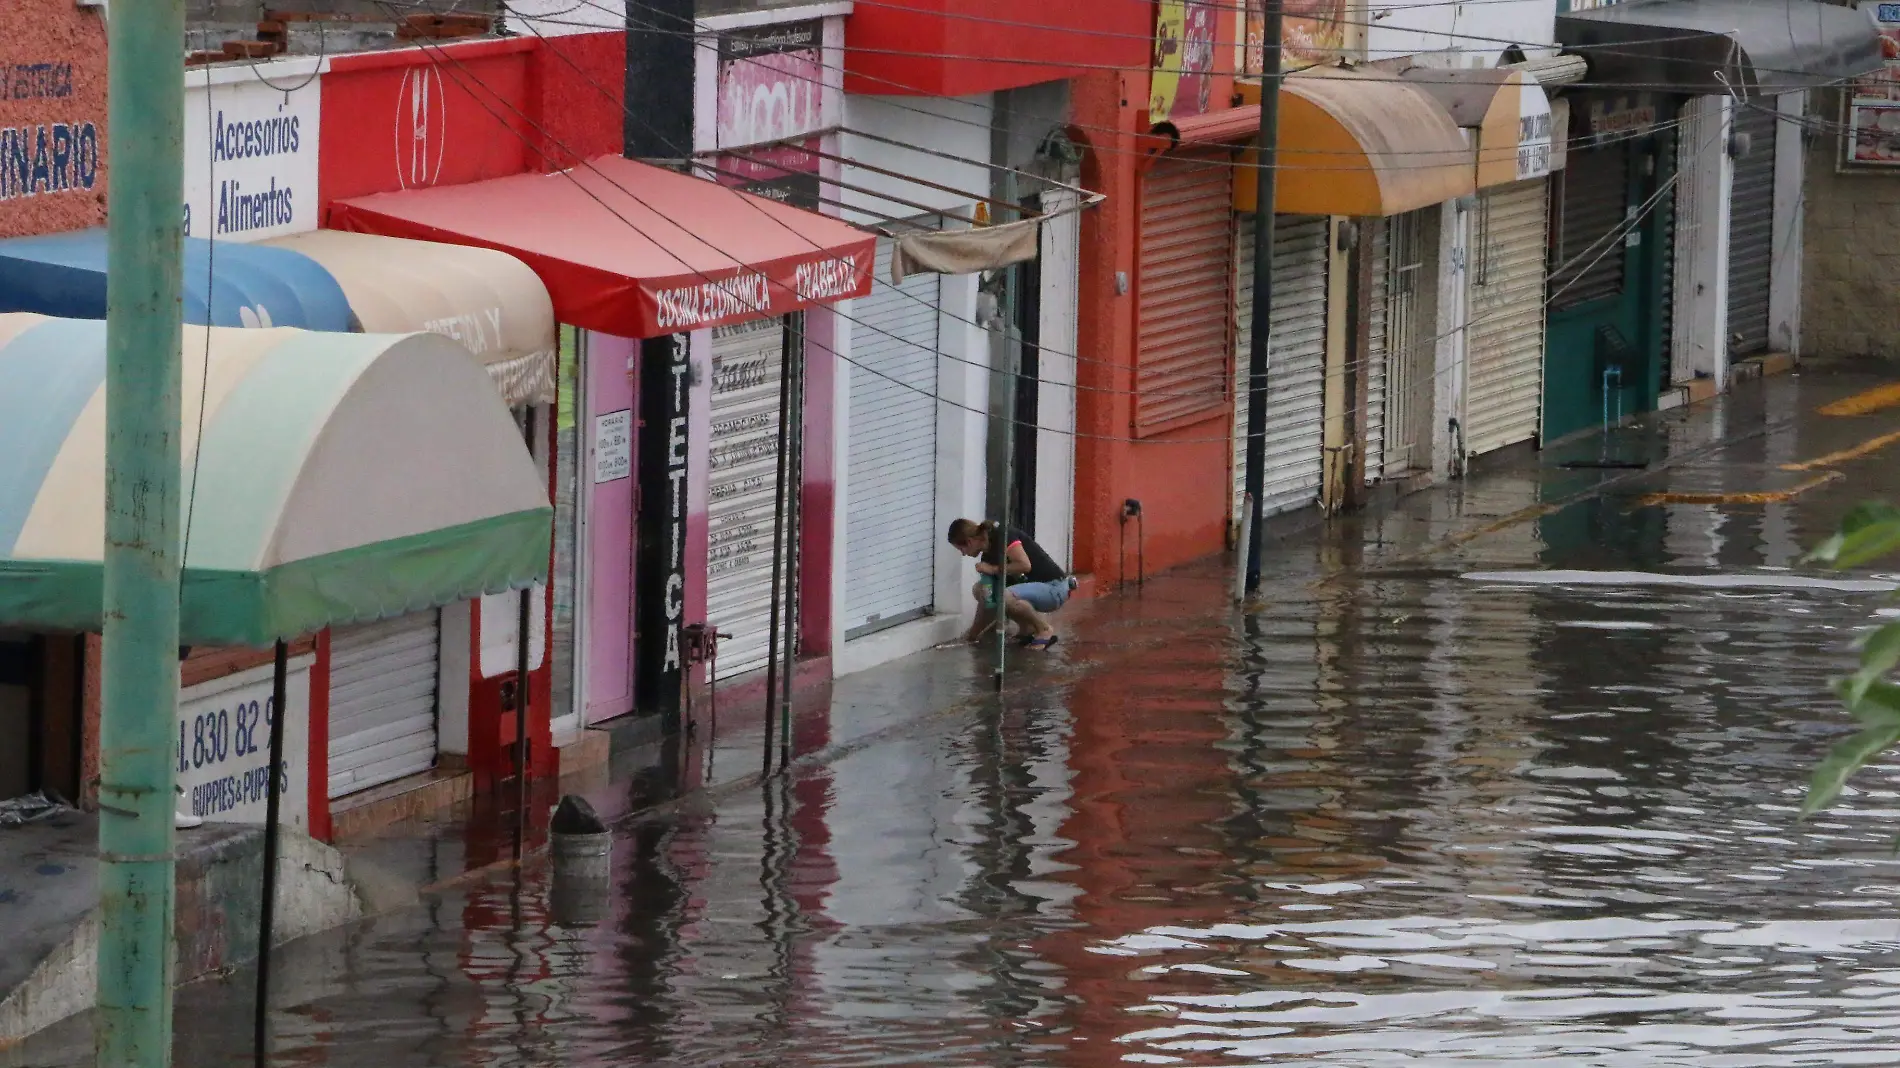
<point x="1431" y="804"/>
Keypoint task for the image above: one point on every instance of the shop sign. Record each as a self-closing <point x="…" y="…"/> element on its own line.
<point x="1873" y="101"/>
<point x="1614" y="120"/>
<point x="613" y="446"/>
<point x="1182" y="81"/>
<point x="1314" y="31"/>
<point x="1535" y="127"/>
<point x="251" y="156"/>
<point x="787" y="172"/>
<point x="665" y="388"/>
<point x="771" y="83"/>
<point x="52" y="119"/>
<point x="223" y="754"/>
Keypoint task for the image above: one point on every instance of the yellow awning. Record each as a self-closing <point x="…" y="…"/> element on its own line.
<point x="491" y="302"/>
<point x="1360" y="142"/>
<point x="1506" y="110"/>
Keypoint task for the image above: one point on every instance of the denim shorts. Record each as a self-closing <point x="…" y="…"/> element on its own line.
<point x="1043" y="596"/>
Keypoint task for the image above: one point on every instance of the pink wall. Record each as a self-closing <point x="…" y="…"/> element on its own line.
<point x="609" y="593"/>
<point x="818" y="495"/>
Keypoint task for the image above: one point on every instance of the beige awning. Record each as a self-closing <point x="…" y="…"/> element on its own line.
<point x="1360" y="142"/>
<point x="489" y="301"/>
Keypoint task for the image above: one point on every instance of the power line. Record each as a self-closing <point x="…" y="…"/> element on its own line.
<point x="1158" y="439"/>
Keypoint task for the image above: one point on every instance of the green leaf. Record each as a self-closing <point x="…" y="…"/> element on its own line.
<point x="1864" y="517"/>
<point x="1843" y="761"/>
<point x="1879" y="652"/>
<point x="1868" y="543"/>
<point x="1879" y="706"/>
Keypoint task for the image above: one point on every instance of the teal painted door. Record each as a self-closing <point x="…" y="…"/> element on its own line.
<point x="1609" y="251"/>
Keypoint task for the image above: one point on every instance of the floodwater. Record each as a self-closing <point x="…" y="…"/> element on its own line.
<point x="1438" y="813"/>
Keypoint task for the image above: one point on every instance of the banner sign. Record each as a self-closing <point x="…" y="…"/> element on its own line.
<point x="1873" y="101"/>
<point x="251" y="156"/>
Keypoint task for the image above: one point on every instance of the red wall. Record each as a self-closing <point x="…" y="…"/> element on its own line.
<point x="451" y="114"/>
<point x="895" y="48"/>
<point x="53" y="95"/>
<point x="1179" y="477"/>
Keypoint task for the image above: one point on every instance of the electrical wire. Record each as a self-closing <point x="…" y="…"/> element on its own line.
<point x="436" y="49"/>
<point x="1222" y="377"/>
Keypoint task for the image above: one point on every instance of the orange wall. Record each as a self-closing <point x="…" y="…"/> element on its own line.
<point x="1180" y="477"/>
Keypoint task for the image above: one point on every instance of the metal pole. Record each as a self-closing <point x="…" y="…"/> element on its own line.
<point x="267" y="908"/>
<point x="778" y="546"/>
<point x="795" y="511"/>
<point x="1001" y="580"/>
<point x="139" y="694"/>
<point x="523" y="703"/>
<point x="1267" y="145"/>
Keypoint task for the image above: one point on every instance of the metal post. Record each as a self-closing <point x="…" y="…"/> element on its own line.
<point x="778" y="548"/>
<point x="139" y="695"/>
<point x="1267" y="146"/>
<point x="795" y="510"/>
<point x="523" y="703"/>
<point x="267" y="908"/>
<point x="1001" y="579"/>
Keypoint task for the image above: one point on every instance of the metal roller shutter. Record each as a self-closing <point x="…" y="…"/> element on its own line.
<point x="891" y="472"/>
<point x="1296" y="368"/>
<point x="1506" y="331"/>
<point x="1185" y="269"/>
<point x="1373" y="438"/>
<point x="383" y="701"/>
<point x="1751" y="234"/>
<point x="1411" y="316"/>
<point x="743" y="489"/>
<point x="1588" y="246"/>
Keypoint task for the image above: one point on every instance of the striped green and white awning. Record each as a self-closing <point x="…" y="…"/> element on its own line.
<point x="341" y="478"/>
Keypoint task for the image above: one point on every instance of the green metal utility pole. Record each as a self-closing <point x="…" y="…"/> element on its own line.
<point x="145" y="41"/>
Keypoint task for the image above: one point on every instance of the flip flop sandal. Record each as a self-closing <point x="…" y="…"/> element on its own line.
<point x="1025" y="640"/>
<point x="1042" y="643"/>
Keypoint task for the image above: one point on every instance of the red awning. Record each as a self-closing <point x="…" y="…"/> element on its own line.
<point x="635" y="250"/>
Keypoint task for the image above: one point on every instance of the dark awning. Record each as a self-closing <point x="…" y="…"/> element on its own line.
<point x="1757" y="47"/>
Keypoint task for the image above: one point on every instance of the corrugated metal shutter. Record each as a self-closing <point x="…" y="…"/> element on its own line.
<point x="1505" y="389"/>
<point x="1373" y="440"/>
<point x="1588" y="260"/>
<point x="383" y="701"/>
<point x="1185" y="269"/>
<point x="891" y="473"/>
<point x="1751" y="233"/>
<point x="743" y="489"/>
<point x="1296" y="375"/>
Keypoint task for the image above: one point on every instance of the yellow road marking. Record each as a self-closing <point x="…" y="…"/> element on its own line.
<point x="1871" y="400"/>
<point x="1855" y="453"/>
<point x="1758" y="497"/>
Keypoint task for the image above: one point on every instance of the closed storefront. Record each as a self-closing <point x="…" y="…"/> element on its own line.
<point x="1296" y="374"/>
<point x="1504" y="386"/>
<point x="1186" y="277"/>
<point x="1403" y="348"/>
<point x="891" y="474"/>
<point x="383" y="679"/>
<point x="747" y="360"/>
<point x="1751" y="232"/>
<point x="1372" y="365"/>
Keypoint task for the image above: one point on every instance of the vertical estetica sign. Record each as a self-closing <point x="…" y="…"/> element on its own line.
<point x="660" y="554"/>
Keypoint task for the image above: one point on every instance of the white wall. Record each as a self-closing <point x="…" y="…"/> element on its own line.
<point x="1462" y="35"/>
<point x="1056" y="400"/>
<point x="955" y="126"/>
<point x="1700" y="344"/>
<point x="1784" y="280"/>
<point x="1448" y="364"/>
